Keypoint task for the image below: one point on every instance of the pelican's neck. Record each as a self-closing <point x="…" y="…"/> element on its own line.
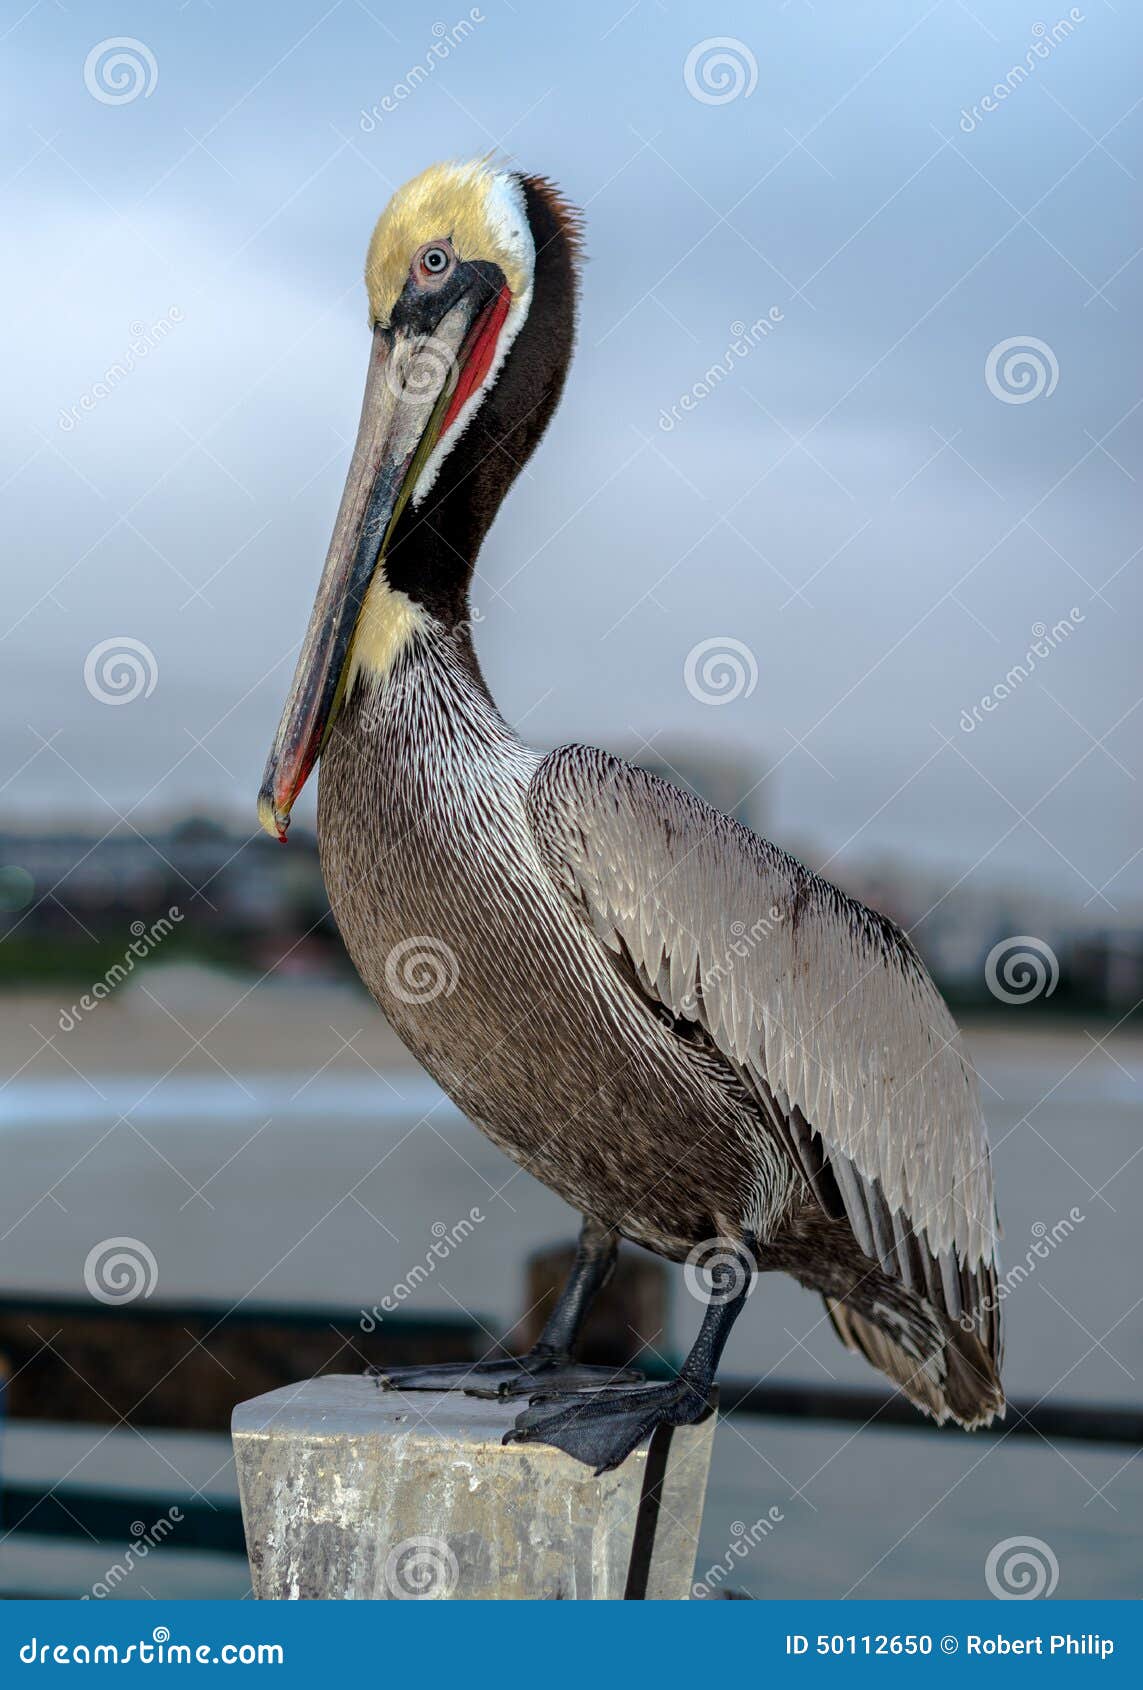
<point x="419" y="751"/>
<point x="396" y="638"/>
<point x="390" y="621"/>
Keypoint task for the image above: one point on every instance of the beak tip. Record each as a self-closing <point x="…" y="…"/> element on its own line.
<point x="274" y="821"/>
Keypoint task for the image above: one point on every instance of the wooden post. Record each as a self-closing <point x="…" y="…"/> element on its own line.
<point x="352" y="1492"/>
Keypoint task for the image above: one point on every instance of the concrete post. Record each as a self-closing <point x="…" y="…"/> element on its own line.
<point x="353" y="1492"/>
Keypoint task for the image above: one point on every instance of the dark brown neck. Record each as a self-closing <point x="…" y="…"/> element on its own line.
<point x="434" y="549"/>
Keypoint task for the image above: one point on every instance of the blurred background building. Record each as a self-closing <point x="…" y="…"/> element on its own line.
<point x="68" y="898"/>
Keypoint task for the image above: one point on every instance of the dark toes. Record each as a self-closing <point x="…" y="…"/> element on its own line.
<point x="444" y="1376"/>
<point x="552" y="1378"/>
<point x="562" y="1380"/>
<point x="520" y="1385"/>
<point x="601" y="1428"/>
<point x="599" y="1444"/>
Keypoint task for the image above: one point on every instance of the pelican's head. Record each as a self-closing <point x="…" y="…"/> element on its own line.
<point x="471" y="277"/>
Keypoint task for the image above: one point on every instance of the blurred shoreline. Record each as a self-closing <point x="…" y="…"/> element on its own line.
<point x="155" y="1025"/>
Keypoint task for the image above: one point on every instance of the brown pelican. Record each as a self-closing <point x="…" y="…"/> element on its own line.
<point x="698" y="1043"/>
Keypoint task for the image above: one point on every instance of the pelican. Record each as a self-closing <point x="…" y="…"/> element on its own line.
<point x="699" y="1044"/>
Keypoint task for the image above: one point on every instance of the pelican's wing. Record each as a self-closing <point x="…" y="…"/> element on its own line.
<point x="822" y="1005"/>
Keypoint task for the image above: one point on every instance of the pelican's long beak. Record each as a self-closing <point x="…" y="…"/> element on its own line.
<point x="415" y="385"/>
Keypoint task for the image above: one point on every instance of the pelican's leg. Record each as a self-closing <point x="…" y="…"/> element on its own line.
<point x="602" y="1427"/>
<point x="550" y="1359"/>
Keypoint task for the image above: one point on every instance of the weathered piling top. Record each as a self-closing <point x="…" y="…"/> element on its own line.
<point x="351" y="1491"/>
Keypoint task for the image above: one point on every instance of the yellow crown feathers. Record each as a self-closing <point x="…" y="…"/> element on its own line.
<point x="466" y="203"/>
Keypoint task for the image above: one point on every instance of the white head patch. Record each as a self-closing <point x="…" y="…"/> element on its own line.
<point x="512" y="247"/>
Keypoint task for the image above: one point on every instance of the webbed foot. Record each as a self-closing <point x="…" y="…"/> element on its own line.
<point x="444" y="1375"/>
<point x="601" y="1428"/>
<point x="553" y="1373"/>
<point x="508" y="1376"/>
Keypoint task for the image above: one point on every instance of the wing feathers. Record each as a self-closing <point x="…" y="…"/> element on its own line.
<point x="822" y="1006"/>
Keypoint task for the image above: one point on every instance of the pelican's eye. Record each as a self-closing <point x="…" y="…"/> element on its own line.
<point x="433" y="261"/>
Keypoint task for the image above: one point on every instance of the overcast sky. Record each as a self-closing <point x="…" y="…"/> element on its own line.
<point x="855" y="503"/>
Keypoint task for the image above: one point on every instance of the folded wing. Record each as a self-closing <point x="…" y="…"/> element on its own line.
<point x="820" y="1004"/>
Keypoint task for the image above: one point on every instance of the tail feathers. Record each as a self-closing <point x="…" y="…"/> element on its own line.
<point x="944" y="1370"/>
